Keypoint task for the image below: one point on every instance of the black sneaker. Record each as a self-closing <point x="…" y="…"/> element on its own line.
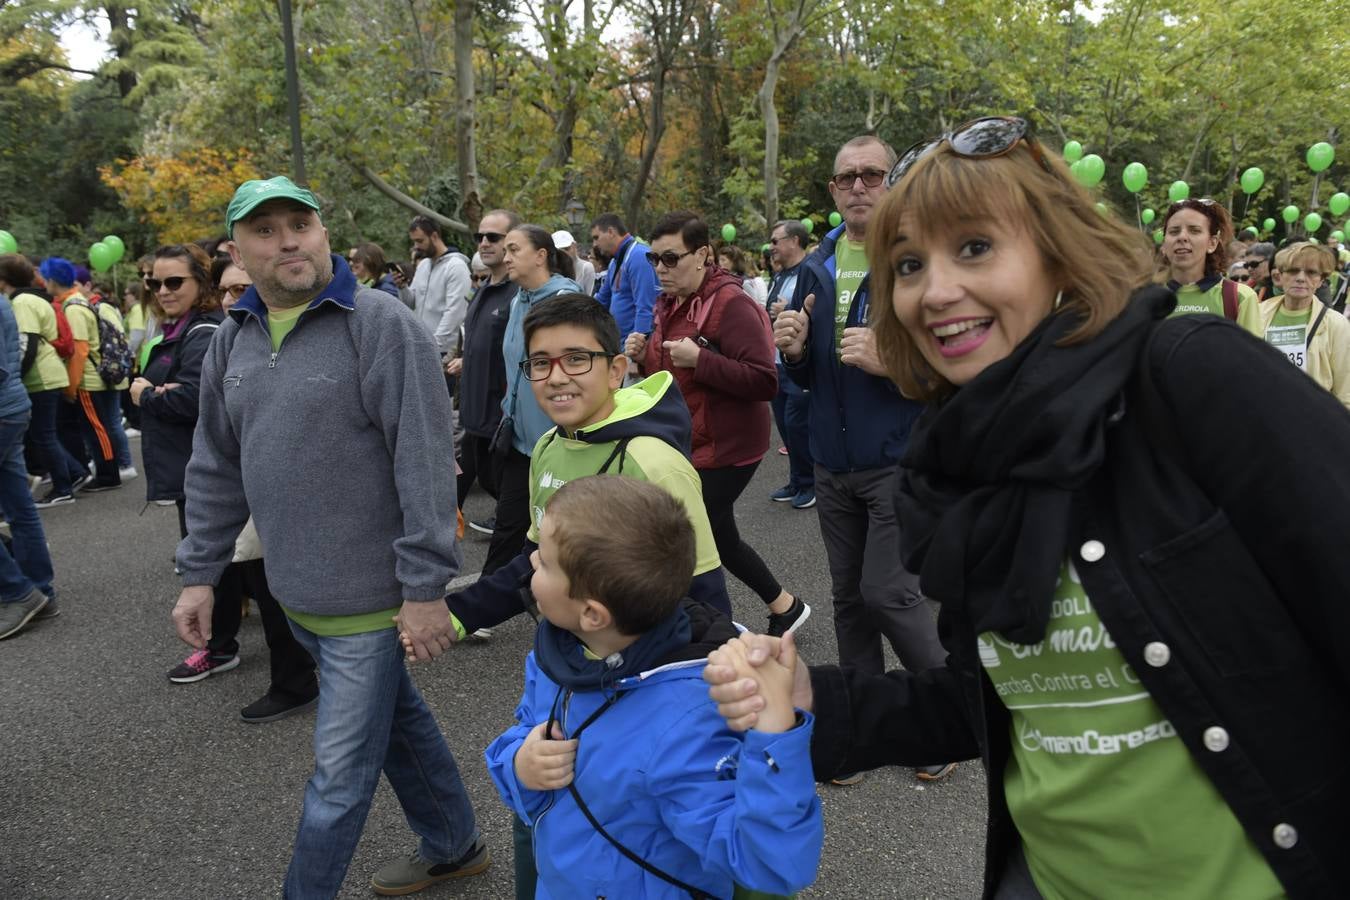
<point x="201" y="664"/>
<point x="80" y="481"/>
<point x="788" y="622"/>
<point x="412" y="873"/>
<point x="270" y="707"/>
<point x="935" y="773"/>
<point x="52" y="498"/>
<point x="487" y="526"/>
<point x="96" y="486"/>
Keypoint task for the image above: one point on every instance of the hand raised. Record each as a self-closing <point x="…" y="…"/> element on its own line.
<point x="791" y="328"/>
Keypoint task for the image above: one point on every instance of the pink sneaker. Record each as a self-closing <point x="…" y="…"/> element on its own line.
<point x="201" y="664"/>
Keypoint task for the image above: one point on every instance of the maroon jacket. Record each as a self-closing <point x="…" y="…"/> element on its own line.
<point x="727" y="391"/>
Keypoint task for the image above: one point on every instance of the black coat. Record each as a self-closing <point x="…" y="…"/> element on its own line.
<point x="168" y="419"/>
<point x="1218" y="566"/>
<point x="482" y="383"/>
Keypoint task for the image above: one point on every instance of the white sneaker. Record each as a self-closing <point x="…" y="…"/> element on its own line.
<point x="132" y="433"/>
<point x="166" y="502"/>
<point x="128" y="473"/>
<point x="481" y="634"/>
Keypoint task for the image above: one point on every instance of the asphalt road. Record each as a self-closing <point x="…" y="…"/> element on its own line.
<point x="117" y="783"/>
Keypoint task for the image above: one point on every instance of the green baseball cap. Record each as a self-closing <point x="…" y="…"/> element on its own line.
<point x="252" y="194"/>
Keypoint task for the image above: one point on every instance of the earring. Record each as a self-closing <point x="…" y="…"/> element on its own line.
<point x="1059" y="299"/>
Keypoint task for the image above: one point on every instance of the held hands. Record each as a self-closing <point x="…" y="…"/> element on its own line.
<point x="778" y="306"/>
<point x="138" y="387"/>
<point x="791" y="327"/>
<point x="424" y="629"/>
<point x="683" y="353"/>
<point x="635" y="346"/>
<point x="859" y="349"/>
<point x="192" y="615"/>
<point x="454" y="366"/>
<point x="545" y="763"/>
<point x="757" y="681"/>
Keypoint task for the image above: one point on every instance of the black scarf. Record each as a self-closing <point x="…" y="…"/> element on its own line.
<point x="986" y="485"/>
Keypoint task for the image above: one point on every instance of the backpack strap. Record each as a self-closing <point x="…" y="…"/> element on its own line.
<point x="1230" y="299"/>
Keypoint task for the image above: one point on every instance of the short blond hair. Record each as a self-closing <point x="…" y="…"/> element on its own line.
<point x="1306" y="254"/>
<point x="1096" y="259"/>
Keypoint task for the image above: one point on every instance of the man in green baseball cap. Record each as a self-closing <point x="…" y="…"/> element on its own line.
<point x="252" y="194"/>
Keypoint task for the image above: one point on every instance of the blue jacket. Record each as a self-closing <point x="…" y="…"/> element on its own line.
<point x="858" y="421"/>
<point x="668" y="780"/>
<point x="14" y="400"/>
<point x="631" y="302"/>
<point x="529" y="421"/>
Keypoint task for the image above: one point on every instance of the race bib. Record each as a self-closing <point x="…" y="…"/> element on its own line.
<point x="1291" y="340"/>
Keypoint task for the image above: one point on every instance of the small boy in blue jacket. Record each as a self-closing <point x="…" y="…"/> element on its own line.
<point x="630" y="780"/>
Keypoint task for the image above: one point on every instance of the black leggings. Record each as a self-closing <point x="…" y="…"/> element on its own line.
<point x="721" y="488"/>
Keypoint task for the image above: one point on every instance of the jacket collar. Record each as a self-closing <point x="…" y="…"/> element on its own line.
<point x="1204" y="284"/>
<point x="340" y="291"/>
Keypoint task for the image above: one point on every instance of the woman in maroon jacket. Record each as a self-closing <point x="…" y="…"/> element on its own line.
<point x="716" y="341"/>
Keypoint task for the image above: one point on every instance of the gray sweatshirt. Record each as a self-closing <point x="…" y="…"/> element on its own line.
<point x="340" y="446"/>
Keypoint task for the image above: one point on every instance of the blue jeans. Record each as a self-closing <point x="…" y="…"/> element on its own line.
<point x="61" y="466"/>
<point x="792" y="412"/>
<point x="117" y="431"/>
<point x="371" y="717"/>
<point x="30" y="566"/>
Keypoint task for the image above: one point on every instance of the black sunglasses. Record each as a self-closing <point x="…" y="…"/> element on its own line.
<point x="984" y="138"/>
<point x="173" y="283"/>
<point x="870" y="178"/>
<point x="670" y="259"/>
<point x="491" y="237"/>
<point x="573" y="362"/>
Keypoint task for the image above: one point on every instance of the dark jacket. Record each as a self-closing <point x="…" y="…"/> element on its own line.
<point x="482" y="383"/>
<point x="735" y="374"/>
<point x="1222" y="584"/>
<point x="168" y="419"/>
<point x="858" y="421"/>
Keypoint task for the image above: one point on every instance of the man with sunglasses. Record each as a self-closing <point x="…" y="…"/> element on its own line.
<point x="859" y="427"/>
<point x="323" y="413"/>
<point x="439" y="293"/>
<point x="631" y="287"/>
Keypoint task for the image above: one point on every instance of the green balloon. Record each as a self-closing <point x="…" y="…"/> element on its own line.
<point x="1338" y="203"/>
<point x="1251" y="180"/>
<point x="1268" y="225"/>
<point x="1338" y="236"/>
<point x="114" y="243"/>
<point x="1073" y="152"/>
<point x="1134" y="177"/>
<point x="836" y="220"/>
<point x="1158" y="236"/>
<point x="728" y="232"/>
<point x="1312" y="222"/>
<point x="100" y="256"/>
<point x="1290" y="214"/>
<point x="1179" y="191"/>
<point x="764" y="248"/>
<point x="7" y="243"/>
<point x="1148" y="215"/>
<point x="1089" y="170"/>
<point x="809" y="225"/>
<point x="1320" y="156"/>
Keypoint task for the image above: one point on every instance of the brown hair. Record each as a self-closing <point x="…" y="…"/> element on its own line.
<point x="371" y="257"/>
<point x="199" y="266"/>
<point x="1096" y="259"/>
<point x="16" y="270"/>
<point x="1220" y="224"/>
<point x="642" y="583"/>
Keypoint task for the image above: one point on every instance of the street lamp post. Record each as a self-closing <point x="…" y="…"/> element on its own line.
<point x="575" y="214"/>
<point x="293" y="94"/>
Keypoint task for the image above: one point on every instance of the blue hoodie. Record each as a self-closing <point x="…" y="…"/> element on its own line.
<point x="660" y="770"/>
<point x="529" y="421"/>
<point x="858" y="421"/>
<point x="14" y="400"/>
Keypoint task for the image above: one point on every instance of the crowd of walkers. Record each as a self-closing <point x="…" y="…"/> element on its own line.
<point x="1001" y="405"/>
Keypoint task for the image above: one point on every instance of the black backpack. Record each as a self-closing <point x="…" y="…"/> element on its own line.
<point x="115" y="361"/>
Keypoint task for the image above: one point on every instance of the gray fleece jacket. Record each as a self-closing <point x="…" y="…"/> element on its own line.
<point x="339" y="444"/>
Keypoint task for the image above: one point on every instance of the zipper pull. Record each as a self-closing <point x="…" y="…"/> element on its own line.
<point x="273" y="363"/>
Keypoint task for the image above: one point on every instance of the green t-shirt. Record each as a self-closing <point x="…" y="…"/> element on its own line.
<point x="146" y="347"/>
<point x="850" y="268"/>
<point x="1191" y="300"/>
<point x="1107" y="800"/>
<point x="280" y="323"/>
<point x="1288" y="333"/>
<point x="37" y="319"/>
<point x="84" y="327"/>
<point x="557" y="460"/>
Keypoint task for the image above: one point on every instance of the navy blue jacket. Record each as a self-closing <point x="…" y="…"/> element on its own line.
<point x="858" y="421"/>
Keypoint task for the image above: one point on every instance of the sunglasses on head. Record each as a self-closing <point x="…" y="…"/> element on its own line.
<point x="173" y="283"/>
<point x="670" y="259"/>
<point x="985" y="138"/>
<point x="491" y="237"/>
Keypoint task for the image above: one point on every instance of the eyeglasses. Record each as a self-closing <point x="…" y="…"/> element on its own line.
<point x="173" y="283"/>
<point x="236" y="290"/>
<point x="984" y="138"/>
<point x="573" y="362"/>
<point x="670" y="259"/>
<point x="491" y="237"/>
<point x="1306" y="273"/>
<point x="870" y="178"/>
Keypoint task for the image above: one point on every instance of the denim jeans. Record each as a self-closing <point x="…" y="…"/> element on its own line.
<point x="792" y="413"/>
<point x="117" y="431"/>
<point x="51" y="453"/>
<point x="30" y="566"/>
<point x="371" y="717"/>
